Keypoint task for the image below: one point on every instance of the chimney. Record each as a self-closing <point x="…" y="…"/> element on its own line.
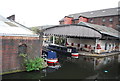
<point x="12" y="17"/>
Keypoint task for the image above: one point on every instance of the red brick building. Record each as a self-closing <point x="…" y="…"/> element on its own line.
<point x="106" y="17"/>
<point x="15" y="39"/>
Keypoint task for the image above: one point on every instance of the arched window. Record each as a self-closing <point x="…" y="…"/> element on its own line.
<point x="22" y="49"/>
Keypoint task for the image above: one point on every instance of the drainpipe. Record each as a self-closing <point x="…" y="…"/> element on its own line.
<point x="41" y="41"/>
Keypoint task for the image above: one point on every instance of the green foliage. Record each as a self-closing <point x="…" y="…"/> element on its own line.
<point x="60" y="40"/>
<point x="51" y="38"/>
<point x="35" y="64"/>
<point x="36" y="30"/>
<point x="23" y="55"/>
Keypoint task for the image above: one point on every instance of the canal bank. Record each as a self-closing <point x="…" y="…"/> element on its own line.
<point x="83" y="53"/>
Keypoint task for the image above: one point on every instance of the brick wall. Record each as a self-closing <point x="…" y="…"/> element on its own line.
<point x="10" y="58"/>
<point x="68" y="20"/>
<point x="99" y="21"/>
<point x="75" y="21"/>
<point x="83" y="19"/>
<point x="96" y="20"/>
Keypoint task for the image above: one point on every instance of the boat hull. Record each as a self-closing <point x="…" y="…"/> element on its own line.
<point x="53" y="63"/>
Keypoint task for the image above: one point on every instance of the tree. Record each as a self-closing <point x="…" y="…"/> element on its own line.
<point x="35" y="30"/>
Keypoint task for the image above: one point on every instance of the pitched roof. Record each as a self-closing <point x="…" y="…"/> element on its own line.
<point x="82" y="29"/>
<point x="102" y="29"/>
<point x="96" y="13"/>
<point x="12" y="28"/>
<point x="44" y="27"/>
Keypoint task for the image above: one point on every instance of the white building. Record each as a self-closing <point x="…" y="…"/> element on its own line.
<point x="88" y="36"/>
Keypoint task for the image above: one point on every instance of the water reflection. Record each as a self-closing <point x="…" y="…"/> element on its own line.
<point x="99" y="62"/>
<point x="119" y="58"/>
<point x="87" y="68"/>
<point x="77" y="68"/>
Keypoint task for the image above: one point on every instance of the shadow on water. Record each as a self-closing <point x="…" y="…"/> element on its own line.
<point x="76" y="68"/>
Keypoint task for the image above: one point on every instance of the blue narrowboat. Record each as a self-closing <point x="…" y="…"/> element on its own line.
<point x="68" y="51"/>
<point x="51" y="58"/>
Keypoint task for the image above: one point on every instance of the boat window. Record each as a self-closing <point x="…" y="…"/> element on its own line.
<point x="69" y="50"/>
<point x="74" y="50"/>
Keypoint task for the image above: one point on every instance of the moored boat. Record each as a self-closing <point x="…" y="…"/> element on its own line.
<point x="68" y="51"/>
<point x="51" y="58"/>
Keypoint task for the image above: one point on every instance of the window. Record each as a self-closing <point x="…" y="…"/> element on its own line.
<point x="22" y="49"/>
<point x="69" y="50"/>
<point x="111" y="19"/>
<point x="103" y="19"/>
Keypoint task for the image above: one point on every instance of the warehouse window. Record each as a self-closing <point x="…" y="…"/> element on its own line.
<point x="103" y="19"/>
<point x="111" y="19"/>
<point x="22" y="49"/>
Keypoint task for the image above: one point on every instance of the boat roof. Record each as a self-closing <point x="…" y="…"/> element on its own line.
<point x="62" y="46"/>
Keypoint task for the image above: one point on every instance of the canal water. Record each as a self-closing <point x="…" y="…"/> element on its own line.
<point x="76" y="68"/>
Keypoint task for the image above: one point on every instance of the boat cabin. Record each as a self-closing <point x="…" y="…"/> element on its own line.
<point x="68" y="51"/>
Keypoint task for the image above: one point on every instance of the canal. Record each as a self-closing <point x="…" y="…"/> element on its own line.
<point x="76" y="68"/>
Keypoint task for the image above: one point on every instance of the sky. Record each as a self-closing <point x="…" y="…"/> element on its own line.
<point x="48" y="12"/>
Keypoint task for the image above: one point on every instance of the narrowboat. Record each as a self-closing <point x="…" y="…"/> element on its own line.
<point x="51" y="58"/>
<point x="68" y="51"/>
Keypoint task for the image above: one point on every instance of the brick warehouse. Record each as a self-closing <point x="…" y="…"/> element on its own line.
<point x="15" y="39"/>
<point x="105" y="17"/>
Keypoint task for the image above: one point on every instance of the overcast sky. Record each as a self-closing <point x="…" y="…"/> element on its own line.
<point x="48" y="12"/>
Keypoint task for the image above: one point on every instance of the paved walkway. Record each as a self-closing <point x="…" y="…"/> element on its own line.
<point x="97" y="55"/>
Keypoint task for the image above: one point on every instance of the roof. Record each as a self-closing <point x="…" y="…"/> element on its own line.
<point x="43" y="27"/>
<point x="73" y="30"/>
<point x="12" y="28"/>
<point x="102" y="29"/>
<point x="82" y="29"/>
<point x="96" y="13"/>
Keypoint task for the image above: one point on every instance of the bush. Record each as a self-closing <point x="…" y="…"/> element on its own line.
<point x="35" y="64"/>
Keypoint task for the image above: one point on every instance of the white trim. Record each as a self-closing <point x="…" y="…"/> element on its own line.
<point x="25" y="35"/>
<point x="52" y="60"/>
